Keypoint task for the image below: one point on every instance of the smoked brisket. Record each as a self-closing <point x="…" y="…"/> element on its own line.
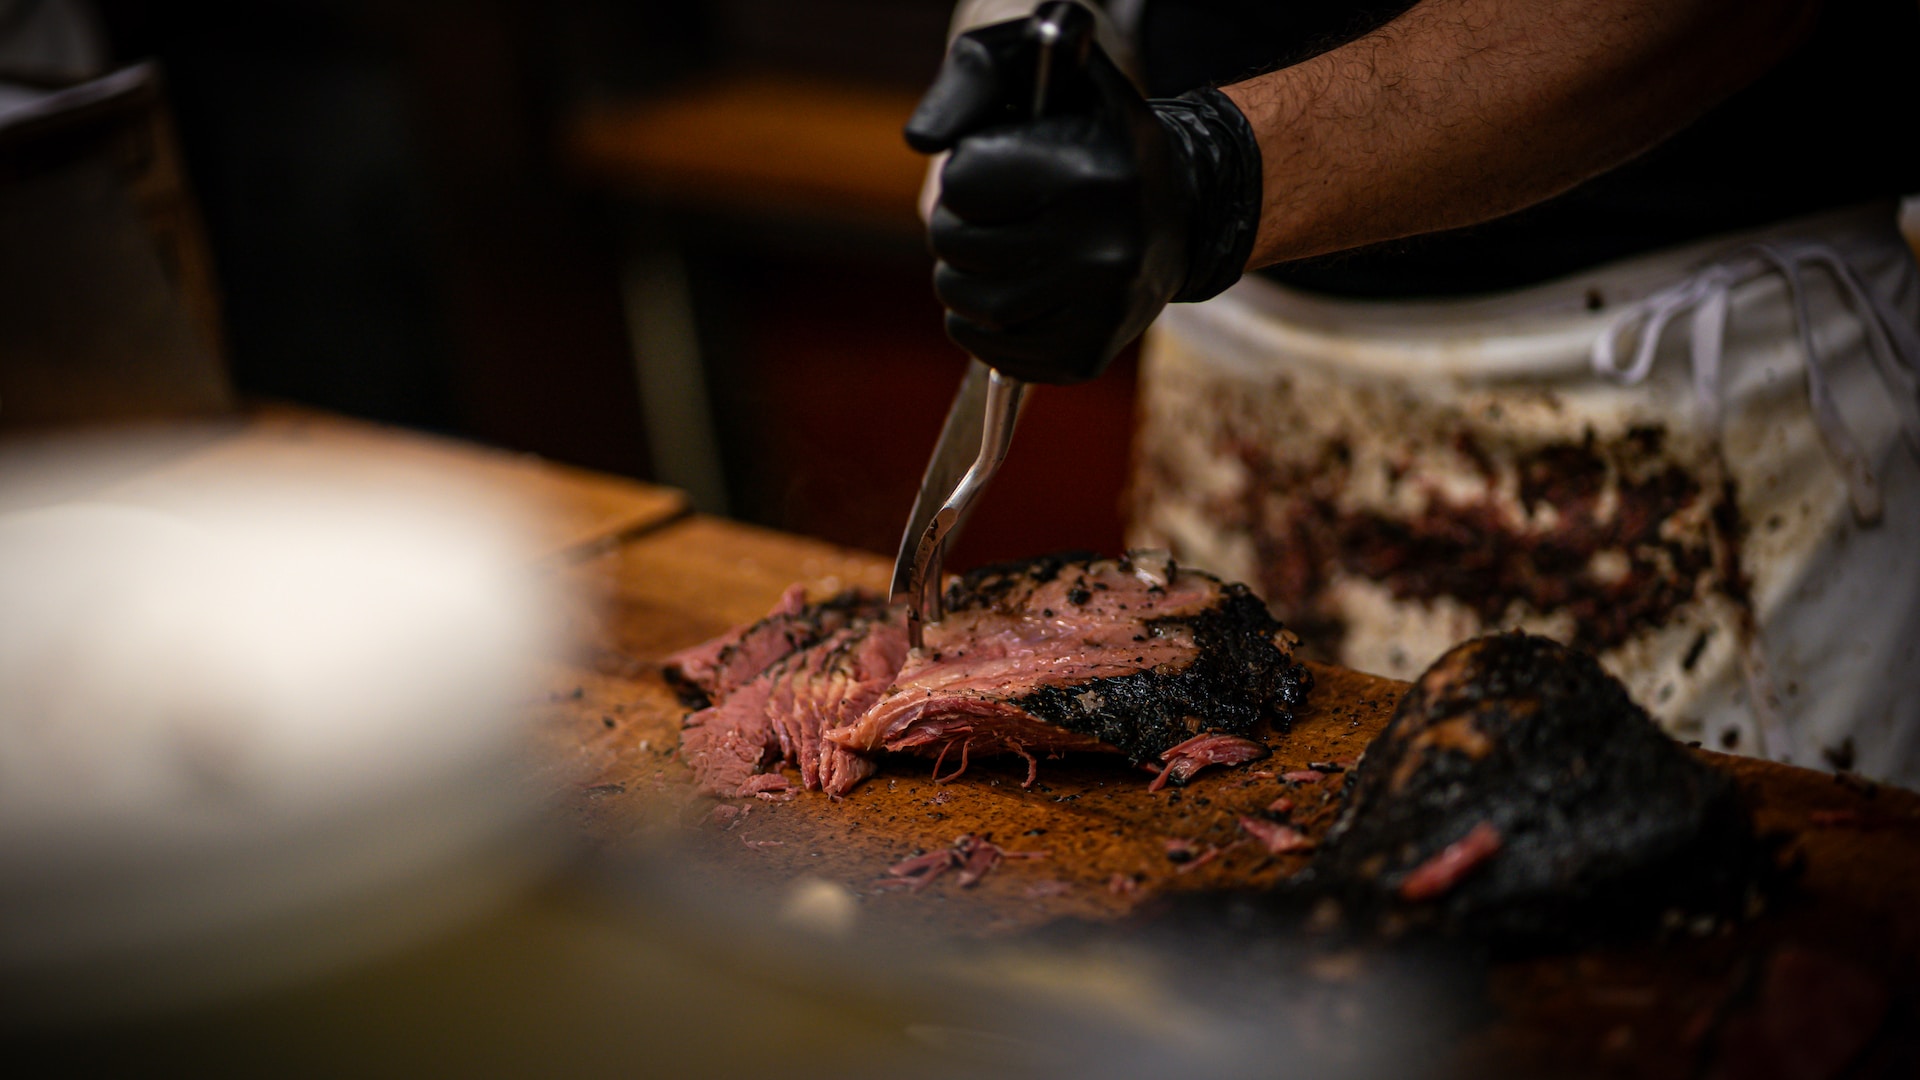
<point x="1134" y="656"/>
<point x="1130" y="655"/>
<point x="1519" y="794"/>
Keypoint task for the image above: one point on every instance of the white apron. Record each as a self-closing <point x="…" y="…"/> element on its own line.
<point x="1689" y="463"/>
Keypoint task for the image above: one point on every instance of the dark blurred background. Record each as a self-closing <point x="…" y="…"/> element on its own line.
<point x="671" y="241"/>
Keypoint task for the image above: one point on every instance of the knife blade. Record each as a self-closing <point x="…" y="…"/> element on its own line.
<point x="958" y="445"/>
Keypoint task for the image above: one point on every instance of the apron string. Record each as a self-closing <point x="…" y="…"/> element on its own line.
<point x="1863" y="488"/>
<point x="1892" y="342"/>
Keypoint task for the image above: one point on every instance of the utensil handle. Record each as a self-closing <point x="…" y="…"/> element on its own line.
<point x="1063" y="32"/>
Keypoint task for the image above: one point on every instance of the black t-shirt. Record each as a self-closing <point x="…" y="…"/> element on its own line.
<point x="1835" y="124"/>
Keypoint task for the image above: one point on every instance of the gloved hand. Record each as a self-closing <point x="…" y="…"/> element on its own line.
<point x="1061" y="237"/>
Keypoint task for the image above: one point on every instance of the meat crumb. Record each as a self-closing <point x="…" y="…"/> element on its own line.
<point x="1211" y="853"/>
<point x="1277" y="839"/>
<point x="1123" y="884"/>
<point x="1281" y="805"/>
<point x="1303" y="776"/>
<point x="767" y="786"/>
<point x="1197" y="753"/>
<point x="974" y="856"/>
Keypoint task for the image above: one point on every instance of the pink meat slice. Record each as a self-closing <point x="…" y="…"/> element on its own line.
<point x="727" y="744"/>
<point x="1197" y="753"/>
<point x="826" y="686"/>
<point x="1106" y="622"/>
<point x="707" y="666"/>
<point x="719" y="667"/>
<point x="782" y="712"/>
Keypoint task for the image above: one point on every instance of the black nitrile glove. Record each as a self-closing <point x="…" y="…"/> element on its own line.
<point x="1060" y="238"/>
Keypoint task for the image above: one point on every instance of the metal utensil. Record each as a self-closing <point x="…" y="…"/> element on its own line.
<point x="987" y="405"/>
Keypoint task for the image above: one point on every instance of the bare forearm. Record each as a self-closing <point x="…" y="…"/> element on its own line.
<point x="1460" y="111"/>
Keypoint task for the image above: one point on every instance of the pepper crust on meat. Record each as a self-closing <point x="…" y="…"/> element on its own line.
<point x="1519" y="794"/>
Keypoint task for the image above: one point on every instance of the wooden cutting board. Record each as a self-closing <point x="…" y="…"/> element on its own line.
<point x="1655" y="1009"/>
<point x="1095" y="817"/>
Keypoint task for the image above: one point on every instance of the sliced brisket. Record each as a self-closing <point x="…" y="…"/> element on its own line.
<point x="832" y="684"/>
<point x="711" y="671"/>
<point x="782" y="711"/>
<point x="1132" y="655"/>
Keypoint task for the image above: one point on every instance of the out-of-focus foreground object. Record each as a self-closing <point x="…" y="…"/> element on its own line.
<point x="262" y="707"/>
<point x="107" y="304"/>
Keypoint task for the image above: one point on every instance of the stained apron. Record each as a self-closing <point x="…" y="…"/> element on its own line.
<point x="1689" y="463"/>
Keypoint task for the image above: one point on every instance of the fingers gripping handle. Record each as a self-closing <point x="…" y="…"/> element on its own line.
<point x="1004" y="73"/>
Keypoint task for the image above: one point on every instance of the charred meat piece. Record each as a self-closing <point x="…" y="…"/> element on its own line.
<point x="1133" y="655"/>
<point x="1519" y="794"/>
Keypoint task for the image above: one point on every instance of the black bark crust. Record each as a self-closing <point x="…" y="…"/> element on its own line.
<point x="688" y="693"/>
<point x="1238" y="675"/>
<point x="986" y="586"/>
<point x="1606" y="825"/>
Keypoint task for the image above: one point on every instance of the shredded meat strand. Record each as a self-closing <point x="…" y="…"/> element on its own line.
<point x="1439" y="874"/>
<point x="1277" y="839"/>
<point x="974" y="856"/>
<point x="1188" y="758"/>
<point x="965" y="746"/>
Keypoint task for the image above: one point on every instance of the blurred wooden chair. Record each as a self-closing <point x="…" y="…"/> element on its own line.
<point x="773" y="151"/>
<point x="108" y="304"/>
